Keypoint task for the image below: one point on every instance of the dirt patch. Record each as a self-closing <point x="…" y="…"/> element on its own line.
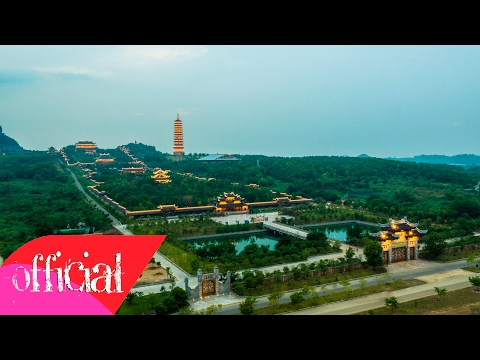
<point x="112" y="231"/>
<point x="461" y="310"/>
<point x="152" y="274"/>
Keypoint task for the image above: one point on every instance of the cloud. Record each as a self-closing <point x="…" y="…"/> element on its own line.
<point x="71" y="70"/>
<point x="142" y="54"/>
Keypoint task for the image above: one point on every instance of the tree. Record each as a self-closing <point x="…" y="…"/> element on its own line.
<point x="435" y="245"/>
<point x="273" y="300"/>
<point x="130" y="297"/>
<point x="349" y="254"/>
<point x="345" y="283"/>
<point x="247" y="306"/>
<point x="471" y="259"/>
<point x="296" y="298"/>
<point x="195" y="265"/>
<point x="210" y="310"/>
<point x="324" y="288"/>
<point x="188" y="310"/>
<point x="319" y="238"/>
<point x="296" y="272"/>
<point x="169" y="272"/>
<point x="308" y="291"/>
<point x="440" y="292"/>
<point x="391" y="303"/>
<point x="363" y="283"/>
<point x="475" y="281"/>
<point x="373" y="252"/>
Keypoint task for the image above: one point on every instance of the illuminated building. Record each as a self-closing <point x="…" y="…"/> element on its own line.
<point x="178" y="137"/>
<point x="104" y="159"/>
<point x="399" y="239"/>
<point x="160" y="176"/>
<point x="230" y="202"/>
<point x="86" y="145"/>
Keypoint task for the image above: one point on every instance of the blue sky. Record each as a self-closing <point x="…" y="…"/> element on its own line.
<point x="276" y="100"/>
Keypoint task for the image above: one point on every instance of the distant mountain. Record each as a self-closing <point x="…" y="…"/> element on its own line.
<point x="363" y="156"/>
<point x="6" y="141"/>
<point x="461" y="160"/>
<point x="9" y="145"/>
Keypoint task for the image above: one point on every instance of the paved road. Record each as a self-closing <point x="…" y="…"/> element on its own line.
<point x="420" y="269"/>
<point x="115" y="221"/>
<point x="450" y="280"/>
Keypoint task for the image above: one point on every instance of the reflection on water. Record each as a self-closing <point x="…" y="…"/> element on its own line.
<point x="241" y="241"/>
<point x="337" y="232"/>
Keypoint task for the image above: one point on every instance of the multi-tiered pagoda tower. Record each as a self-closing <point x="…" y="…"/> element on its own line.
<point x="178" y="137"/>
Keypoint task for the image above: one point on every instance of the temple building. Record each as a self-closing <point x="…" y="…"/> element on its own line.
<point x="399" y="239"/>
<point x="104" y="159"/>
<point x="86" y="145"/>
<point x="161" y="176"/>
<point x="178" y="137"/>
<point x="230" y="202"/>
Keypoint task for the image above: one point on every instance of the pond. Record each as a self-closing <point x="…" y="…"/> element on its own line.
<point x="339" y="232"/>
<point x="240" y="241"/>
<point x="335" y="232"/>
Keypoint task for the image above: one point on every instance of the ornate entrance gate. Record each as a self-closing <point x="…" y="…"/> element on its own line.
<point x="399" y="254"/>
<point x="208" y="288"/>
<point x="209" y="285"/>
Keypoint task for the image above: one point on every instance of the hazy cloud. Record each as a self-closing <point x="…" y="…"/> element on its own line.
<point x="142" y="54"/>
<point x="71" y="70"/>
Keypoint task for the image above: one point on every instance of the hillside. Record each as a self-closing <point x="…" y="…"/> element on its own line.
<point x="6" y="141"/>
<point x="430" y="192"/>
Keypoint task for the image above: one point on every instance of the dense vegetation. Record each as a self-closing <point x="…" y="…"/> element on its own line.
<point x="38" y="196"/>
<point x="387" y="187"/>
<point x="163" y="303"/>
<point x="440" y="197"/>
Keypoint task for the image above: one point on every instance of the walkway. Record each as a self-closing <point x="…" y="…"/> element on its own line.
<point x="285" y="229"/>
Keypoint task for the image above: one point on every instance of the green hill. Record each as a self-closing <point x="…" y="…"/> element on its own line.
<point x="6" y="141"/>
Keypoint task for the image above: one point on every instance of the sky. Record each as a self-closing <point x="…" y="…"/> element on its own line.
<point x="274" y="100"/>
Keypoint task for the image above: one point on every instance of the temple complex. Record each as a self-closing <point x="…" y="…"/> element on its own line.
<point x="230" y="202"/>
<point x="399" y="239"/>
<point x="86" y="145"/>
<point x="104" y="159"/>
<point x="178" y="137"/>
<point x="161" y="176"/>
